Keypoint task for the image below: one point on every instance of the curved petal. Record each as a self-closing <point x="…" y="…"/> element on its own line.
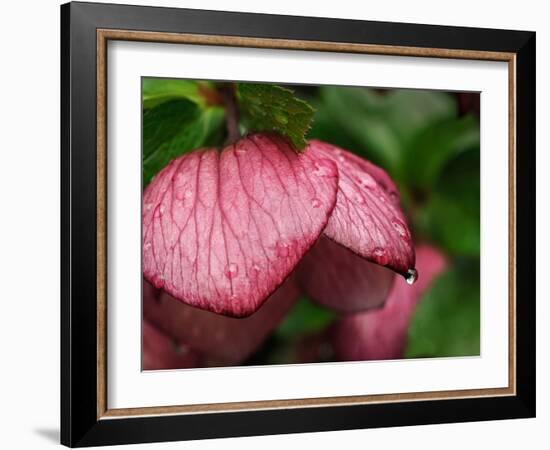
<point x="221" y="231"/>
<point x="223" y="340"/>
<point x="367" y="217"/>
<point x="160" y="352"/>
<point x="335" y="277"/>
<point x="382" y="334"/>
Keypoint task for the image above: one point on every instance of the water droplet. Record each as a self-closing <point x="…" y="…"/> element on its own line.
<point x="256" y="268"/>
<point x="180" y="193"/>
<point x="148" y="206"/>
<point x="316" y="203"/>
<point x="231" y="270"/>
<point x="367" y="182"/>
<point x="399" y="227"/>
<point x="283" y="249"/>
<point x="382" y="199"/>
<point x="412" y="276"/>
<point x="147" y="246"/>
<point x="241" y="150"/>
<point x="394" y="196"/>
<point x="162" y="209"/>
<point x="380" y="256"/>
<point x="322" y="170"/>
<point x="359" y="198"/>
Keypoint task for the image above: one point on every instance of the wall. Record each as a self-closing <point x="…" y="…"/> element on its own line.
<point x="29" y="252"/>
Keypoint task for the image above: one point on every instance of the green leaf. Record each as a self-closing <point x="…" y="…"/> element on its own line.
<point x="451" y="216"/>
<point x="174" y="128"/>
<point x="384" y="124"/>
<point x="304" y="318"/>
<point x="267" y="107"/>
<point x="447" y="320"/>
<point x="159" y="90"/>
<point x="438" y="144"/>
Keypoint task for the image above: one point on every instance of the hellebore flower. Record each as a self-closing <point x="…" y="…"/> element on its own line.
<point x="222" y="230"/>
<point x="218" y="339"/>
<point x="382" y="333"/>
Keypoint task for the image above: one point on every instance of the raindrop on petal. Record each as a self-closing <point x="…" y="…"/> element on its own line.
<point x="399" y="227"/>
<point x="367" y="182"/>
<point x="380" y="256"/>
<point x="283" y="249"/>
<point x="359" y="198"/>
<point x="315" y="203"/>
<point x="322" y="170"/>
<point x="231" y="270"/>
<point x="180" y="193"/>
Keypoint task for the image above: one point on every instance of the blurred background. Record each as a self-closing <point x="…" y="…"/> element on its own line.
<point x="428" y="142"/>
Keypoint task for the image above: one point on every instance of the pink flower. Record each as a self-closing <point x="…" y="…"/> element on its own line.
<point x="382" y="333"/>
<point x="222" y="230"/>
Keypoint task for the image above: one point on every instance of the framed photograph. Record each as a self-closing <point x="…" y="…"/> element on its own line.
<point x="276" y="224"/>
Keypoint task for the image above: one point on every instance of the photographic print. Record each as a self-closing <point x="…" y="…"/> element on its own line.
<point x="292" y="224"/>
<point x="312" y="212"/>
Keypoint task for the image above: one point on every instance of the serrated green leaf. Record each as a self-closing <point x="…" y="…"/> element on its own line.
<point x="174" y="128"/>
<point x="304" y="318"/>
<point x="447" y="320"/>
<point x="159" y="90"/>
<point x="267" y="107"/>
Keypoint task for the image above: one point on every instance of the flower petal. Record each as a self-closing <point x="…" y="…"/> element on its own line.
<point x="367" y="217"/>
<point x="223" y="340"/>
<point x="335" y="277"/>
<point x="382" y="334"/>
<point x="160" y="352"/>
<point x="221" y="231"/>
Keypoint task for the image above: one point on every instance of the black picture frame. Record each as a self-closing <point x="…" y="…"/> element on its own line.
<point x="80" y="425"/>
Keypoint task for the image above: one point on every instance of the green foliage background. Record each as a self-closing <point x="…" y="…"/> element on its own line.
<point x="428" y="146"/>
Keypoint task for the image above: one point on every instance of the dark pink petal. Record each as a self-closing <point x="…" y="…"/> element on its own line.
<point x="335" y="277"/>
<point x="161" y="352"/>
<point x="367" y="218"/>
<point x="223" y="340"/>
<point x="382" y="334"/>
<point x="222" y="230"/>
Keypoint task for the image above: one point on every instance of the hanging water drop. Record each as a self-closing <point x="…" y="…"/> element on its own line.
<point x="412" y="276"/>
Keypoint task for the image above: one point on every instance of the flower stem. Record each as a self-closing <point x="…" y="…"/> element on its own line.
<point x="227" y="92"/>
